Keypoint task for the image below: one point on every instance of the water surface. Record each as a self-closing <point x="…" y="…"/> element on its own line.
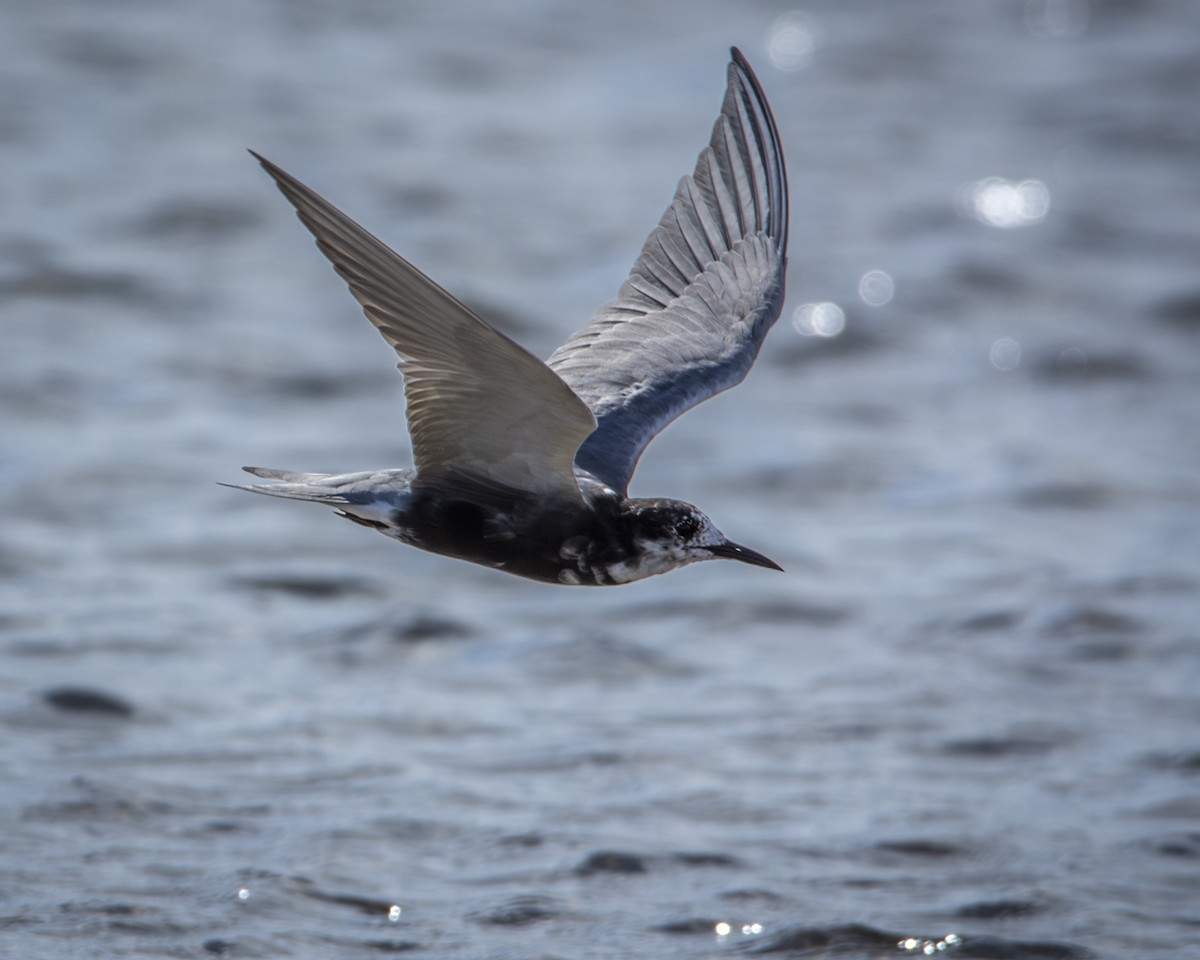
<point x="965" y="721"/>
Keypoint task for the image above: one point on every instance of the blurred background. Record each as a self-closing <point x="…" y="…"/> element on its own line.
<point x="964" y="721"/>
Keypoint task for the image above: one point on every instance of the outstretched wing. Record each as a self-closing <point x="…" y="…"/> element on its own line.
<point x="689" y="320"/>
<point x="480" y="407"/>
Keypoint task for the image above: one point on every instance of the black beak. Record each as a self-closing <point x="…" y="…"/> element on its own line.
<point x="735" y="551"/>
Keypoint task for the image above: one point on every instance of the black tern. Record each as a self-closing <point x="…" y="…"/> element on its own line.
<point x="523" y="465"/>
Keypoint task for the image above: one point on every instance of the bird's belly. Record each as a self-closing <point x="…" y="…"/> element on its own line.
<point x="528" y="544"/>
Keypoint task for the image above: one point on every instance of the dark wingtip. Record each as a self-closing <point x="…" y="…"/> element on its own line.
<point x="266" y="164"/>
<point x="740" y="68"/>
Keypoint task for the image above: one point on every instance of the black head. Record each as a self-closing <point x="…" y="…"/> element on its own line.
<point x="671" y="533"/>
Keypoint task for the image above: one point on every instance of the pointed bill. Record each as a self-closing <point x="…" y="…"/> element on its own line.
<point x="735" y="551"/>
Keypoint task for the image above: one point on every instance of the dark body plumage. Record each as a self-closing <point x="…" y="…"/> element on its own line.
<point x="595" y="546"/>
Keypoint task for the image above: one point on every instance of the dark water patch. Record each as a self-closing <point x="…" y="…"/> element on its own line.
<point x="57" y="647"/>
<point x="1103" y="651"/>
<point x="106" y="55"/>
<point x="522" y="911"/>
<point x="415" y="629"/>
<point x="996" y="948"/>
<point x="705" y="859"/>
<point x="1074" y="365"/>
<point x="423" y="628"/>
<point x="863" y="413"/>
<point x="460" y="70"/>
<point x="1185" y="807"/>
<point x="989" y="277"/>
<point x="87" y="700"/>
<point x="1001" y="747"/>
<point x="362" y="903"/>
<point x="690" y="926"/>
<point x="418" y="199"/>
<point x="999" y="909"/>
<point x="731" y="611"/>
<point x="1182" y="846"/>
<point x="1182" y="312"/>
<point x="853" y="341"/>
<point x="1183" y="761"/>
<point x="120" y="918"/>
<point x="106" y="909"/>
<point x="1066" y="495"/>
<point x="611" y="861"/>
<point x="407" y="830"/>
<point x="1089" y="621"/>
<point x="752" y="895"/>
<point x="1159" y="583"/>
<point x="378" y="945"/>
<point x="13" y="563"/>
<point x="806" y="485"/>
<point x="849" y="732"/>
<point x="840" y="940"/>
<point x="523" y="841"/>
<point x="787" y="612"/>
<point x="50" y="282"/>
<point x="316" y="385"/>
<point x="225" y="827"/>
<point x="989" y="621"/>
<point x="148" y="928"/>
<point x="194" y="219"/>
<point x="98" y="802"/>
<point x="859" y="940"/>
<point x="922" y="848"/>
<point x="308" y="586"/>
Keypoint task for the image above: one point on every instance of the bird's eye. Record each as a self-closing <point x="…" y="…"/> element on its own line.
<point x="686" y="527"/>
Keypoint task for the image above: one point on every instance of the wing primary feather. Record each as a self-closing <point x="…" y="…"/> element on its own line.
<point x="480" y="407"/>
<point x="708" y="284"/>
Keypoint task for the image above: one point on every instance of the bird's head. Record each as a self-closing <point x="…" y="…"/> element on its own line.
<point x="677" y="533"/>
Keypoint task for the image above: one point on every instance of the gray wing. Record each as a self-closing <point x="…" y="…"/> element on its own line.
<point x="480" y="407"/>
<point x="689" y="320"/>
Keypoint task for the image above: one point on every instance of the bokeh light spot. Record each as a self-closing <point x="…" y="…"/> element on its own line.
<point x="791" y="42"/>
<point x="1007" y="203"/>
<point x="819" y="319"/>
<point x="876" y="287"/>
<point x="928" y="947"/>
<point x="1005" y="354"/>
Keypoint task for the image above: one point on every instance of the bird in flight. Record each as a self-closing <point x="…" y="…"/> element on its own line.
<point x="523" y="465"/>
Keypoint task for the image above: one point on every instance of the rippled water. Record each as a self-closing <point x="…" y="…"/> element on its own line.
<point x="965" y="722"/>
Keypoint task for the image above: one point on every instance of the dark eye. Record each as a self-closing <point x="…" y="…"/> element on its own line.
<point x="686" y="527"/>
